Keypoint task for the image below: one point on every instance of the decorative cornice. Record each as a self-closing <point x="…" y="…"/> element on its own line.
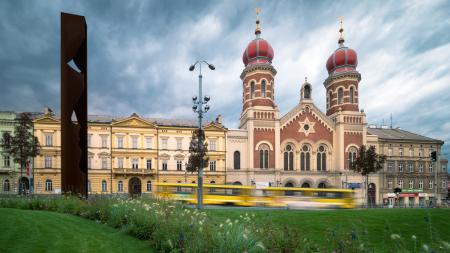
<point x="258" y="66"/>
<point x="332" y="77"/>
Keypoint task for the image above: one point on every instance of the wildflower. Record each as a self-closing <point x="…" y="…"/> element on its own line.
<point x="245" y="236"/>
<point x="413" y="237"/>
<point x="395" y="236"/>
<point x="170" y="243"/>
<point x="221" y="225"/>
<point x="446" y="244"/>
<point x="260" y="245"/>
<point x="425" y="247"/>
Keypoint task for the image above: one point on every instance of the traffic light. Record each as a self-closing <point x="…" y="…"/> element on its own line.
<point x="433" y="156"/>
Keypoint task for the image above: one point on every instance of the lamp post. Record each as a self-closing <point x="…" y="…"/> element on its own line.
<point x="198" y="108"/>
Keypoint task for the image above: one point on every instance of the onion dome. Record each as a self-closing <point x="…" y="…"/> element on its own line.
<point x="343" y="59"/>
<point x="258" y="50"/>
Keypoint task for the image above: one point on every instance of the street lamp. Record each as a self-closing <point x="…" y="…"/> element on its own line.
<point x="198" y="108"/>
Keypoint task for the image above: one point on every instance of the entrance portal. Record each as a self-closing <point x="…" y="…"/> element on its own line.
<point x="371" y="192"/>
<point x="134" y="187"/>
<point x="24" y="186"/>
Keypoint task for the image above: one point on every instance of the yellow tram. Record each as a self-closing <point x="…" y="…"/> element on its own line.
<point x="238" y="195"/>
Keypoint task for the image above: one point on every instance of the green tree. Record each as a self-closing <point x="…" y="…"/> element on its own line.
<point x="197" y="151"/>
<point x="22" y="145"/>
<point x="368" y="161"/>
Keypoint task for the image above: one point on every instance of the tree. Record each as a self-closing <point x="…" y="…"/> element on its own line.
<point x="22" y="145"/>
<point x="197" y="151"/>
<point x="368" y="161"/>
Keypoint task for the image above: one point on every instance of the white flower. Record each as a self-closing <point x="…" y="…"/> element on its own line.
<point x="221" y="225"/>
<point x="425" y="247"/>
<point x="245" y="236"/>
<point x="414" y="237"/>
<point x="395" y="236"/>
<point x="260" y="245"/>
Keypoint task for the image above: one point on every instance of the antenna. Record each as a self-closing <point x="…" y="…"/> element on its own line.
<point x="391" y="119"/>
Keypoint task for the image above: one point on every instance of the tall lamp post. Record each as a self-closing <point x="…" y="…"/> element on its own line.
<point x="198" y="108"/>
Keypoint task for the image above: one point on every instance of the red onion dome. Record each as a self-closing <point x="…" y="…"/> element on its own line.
<point x="258" y="51"/>
<point x="343" y="59"/>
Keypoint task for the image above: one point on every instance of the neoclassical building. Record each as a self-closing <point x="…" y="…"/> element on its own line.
<point x="129" y="154"/>
<point x="306" y="147"/>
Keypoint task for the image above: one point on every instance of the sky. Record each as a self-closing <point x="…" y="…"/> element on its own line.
<point x="139" y="53"/>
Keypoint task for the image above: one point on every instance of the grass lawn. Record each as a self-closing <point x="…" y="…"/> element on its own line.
<point x="372" y="227"/>
<point x="42" y="231"/>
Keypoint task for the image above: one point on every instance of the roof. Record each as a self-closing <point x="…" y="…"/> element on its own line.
<point x="157" y="121"/>
<point x="399" y="134"/>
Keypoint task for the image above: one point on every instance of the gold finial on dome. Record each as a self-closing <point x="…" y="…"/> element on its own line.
<point x="258" y="29"/>
<point x="341" y="31"/>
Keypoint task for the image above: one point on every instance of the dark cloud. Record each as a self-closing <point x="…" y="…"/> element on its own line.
<point x="139" y="52"/>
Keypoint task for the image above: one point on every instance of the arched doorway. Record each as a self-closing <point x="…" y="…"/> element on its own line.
<point x="24" y="185"/>
<point x="236" y="191"/>
<point x="289" y="185"/>
<point x="371" y="195"/>
<point x="306" y="185"/>
<point x="134" y="187"/>
<point x="322" y="185"/>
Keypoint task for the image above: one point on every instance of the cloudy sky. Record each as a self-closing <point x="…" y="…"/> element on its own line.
<point x="140" y="51"/>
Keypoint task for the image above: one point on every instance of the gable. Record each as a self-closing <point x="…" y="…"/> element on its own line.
<point x="214" y="127"/>
<point x="306" y="125"/>
<point x="133" y="122"/>
<point x="312" y="111"/>
<point x="46" y="120"/>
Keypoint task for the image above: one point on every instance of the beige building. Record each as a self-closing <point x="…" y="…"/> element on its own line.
<point x="129" y="154"/>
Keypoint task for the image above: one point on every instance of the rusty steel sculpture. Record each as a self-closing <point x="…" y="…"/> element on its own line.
<point x="74" y="172"/>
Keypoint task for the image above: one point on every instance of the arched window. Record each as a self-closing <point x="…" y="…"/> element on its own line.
<point x="272" y="90"/>
<point x="305" y="158"/>
<point x="322" y="158"/>
<point x="89" y="186"/>
<point x="264" y="156"/>
<point x="237" y="160"/>
<point x="263" y="88"/>
<point x="351" y="94"/>
<point x="288" y="158"/>
<point x="340" y="96"/>
<point x="351" y="156"/>
<point x="104" y="186"/>
<point x="306" y="185"/>
<point x="252" y="89"/>
<point x="149" y="186"/>
<point x="48" y="185"/>
<point x="120" y="186"/>
<point x="6" y="186"/>
<point x="307" y="92"/>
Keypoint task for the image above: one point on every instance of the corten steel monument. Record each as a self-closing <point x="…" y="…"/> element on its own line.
<point x="73" y="105"/>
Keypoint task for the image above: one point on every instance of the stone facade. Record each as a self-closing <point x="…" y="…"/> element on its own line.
<point x="129" y="154"/>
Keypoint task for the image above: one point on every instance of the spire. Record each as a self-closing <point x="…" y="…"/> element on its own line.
<point x="341" y="31"/>
<point x="258" y="29"/>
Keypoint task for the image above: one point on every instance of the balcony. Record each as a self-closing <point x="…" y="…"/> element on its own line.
<point x="131" y="171"/>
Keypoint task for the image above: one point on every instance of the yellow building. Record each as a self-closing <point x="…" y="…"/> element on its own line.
<point x="129" y="154"/>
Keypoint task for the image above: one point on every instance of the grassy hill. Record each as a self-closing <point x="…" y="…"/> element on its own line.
<point x="42" y="231"/>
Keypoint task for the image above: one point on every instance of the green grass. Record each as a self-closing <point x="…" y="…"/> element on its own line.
<point x="373" y="227"/>
<point x="42" y="231"/>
